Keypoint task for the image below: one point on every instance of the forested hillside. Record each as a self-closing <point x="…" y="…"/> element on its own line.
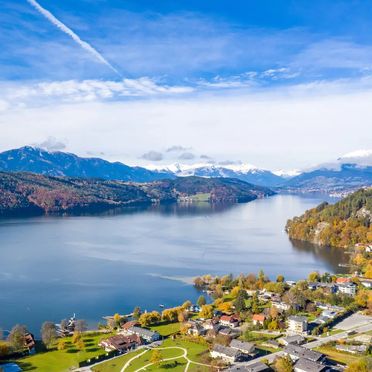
<point x="30" y="194"/>
<point x="340" y="225"/>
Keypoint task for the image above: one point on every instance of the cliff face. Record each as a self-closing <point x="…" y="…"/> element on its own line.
<point x="341" y="225"/>
<point x="29" y="194"/>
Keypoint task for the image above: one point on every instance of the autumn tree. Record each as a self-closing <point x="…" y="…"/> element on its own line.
<point x="280" y="279"/>
<point x="206" y="312"/>
<point x="147" y="319"/>
<point x="360" y="365"/>
<point x="283" y="364"/>
<point x="136" y="312"/>
<point x="64" y="324"/>
<point x="314" y="277"/>
<point x="156" y="357"/>
<point x="201" y="301"/>
<point x="81" y="325"/>
<point x="61" y="344"/>
<point x="183" y="316"/>
<point x="48" y="333"/>
<point x="235" y="291"/>
<point x="4" y="349"/>
<point x="186" y="305"/>
<point x="17" y="337"/>
<point x="75" y="337"/>
<point x="225" y="307"/>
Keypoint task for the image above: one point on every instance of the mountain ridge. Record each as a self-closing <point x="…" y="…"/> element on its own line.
<point x="34" y="194"/>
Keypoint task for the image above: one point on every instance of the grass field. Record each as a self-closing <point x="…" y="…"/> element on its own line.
<point x="59" y="361"/>
<point x="166" y="329"/>
<point x="194" y="353"/>
<point x="116" y="364"/>
<point x="338" y="356"/>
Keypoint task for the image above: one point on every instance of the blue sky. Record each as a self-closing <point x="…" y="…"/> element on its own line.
<point x="172" y="56"/>
<point x="178" y="41"/>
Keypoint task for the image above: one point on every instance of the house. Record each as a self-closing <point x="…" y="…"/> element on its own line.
<point x="227" y="354"/>
<point x="247" y="348"/>
<point x="352" y="349"/>
<point x="329" y="313"/>
<point x="306" y="365"/>
<point x="366" y="282"/>
<point x="321" y="320"/>
<point x="129" y="324"/>
<point x="347" y="288"/>
<point x="280" y="305"/>
<point x="230" y="320"/>
<point x="292" y="340"/>
<point x="342" y="280"/>
<point x="258" y="319"/>
<point x="196" y="329"/>
<point x="290" y="283"/>
<point x="296" y="352"/>
<point x="251" y="292"/>
<point x="210" y="323"/>
<point x="227" y="331"/>
<point x="145" y="334"/>
<point x="297" y="324"/>
<point x="194" y="309"/>
<point x="271" y="343"/>
<point x="120" y="343"/>
<point x="255" y="367"/>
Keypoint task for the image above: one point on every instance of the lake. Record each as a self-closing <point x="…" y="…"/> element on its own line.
<point x="52" y="267"/>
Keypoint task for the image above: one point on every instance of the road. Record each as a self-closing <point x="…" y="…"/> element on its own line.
<point x="366" y="327"/>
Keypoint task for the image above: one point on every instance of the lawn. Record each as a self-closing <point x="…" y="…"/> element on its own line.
<point x="166" y="329"/>
<point x="115" y="364"/>
<point x="338" y="356"/>
<point x="59" y="361"/>
<point x="194" y="352"/>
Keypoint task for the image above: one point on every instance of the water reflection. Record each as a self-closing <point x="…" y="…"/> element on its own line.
<point x="332" y="255"/>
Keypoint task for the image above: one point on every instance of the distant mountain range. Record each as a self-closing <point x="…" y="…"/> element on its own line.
<point x="36" y="160"/>
<point x="34" y="194"/>
<point x="243" y="172"/>
<point x="348" y="173"/>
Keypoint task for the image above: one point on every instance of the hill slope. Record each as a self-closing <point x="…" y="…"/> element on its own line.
<point x="30" y="194"/>
<point x="341" y="225"/>
<point x="345" y="177"/>
<point x="30" y="159"/>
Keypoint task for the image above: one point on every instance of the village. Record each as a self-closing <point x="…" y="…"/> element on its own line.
<point x="244" y="323"/>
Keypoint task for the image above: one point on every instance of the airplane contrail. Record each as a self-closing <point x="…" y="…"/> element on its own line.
<point x="48" y="15"/>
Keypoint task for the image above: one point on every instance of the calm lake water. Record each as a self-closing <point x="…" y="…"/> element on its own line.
<point x="52" y="267"/>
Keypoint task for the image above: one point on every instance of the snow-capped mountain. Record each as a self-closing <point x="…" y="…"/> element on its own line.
<point x="349" y="172"/>
<point x="245" y="172"/>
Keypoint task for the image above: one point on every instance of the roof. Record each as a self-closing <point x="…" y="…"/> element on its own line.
<point x="243" y="346"/>
<point x="130" y="324"/>
<point x="308" y="365"/>
<point x="121" y="341"/>
<point x="259" y="317"/>
<point x="293" y="339"/>
<point x="297" y="318"/>
<point x="255" y="367"/>
<point x="342" y="280"/>
<point x="143" y="332"/>
<point x="301" y="352"/>
<point x="229" y="318"/>
<point x="228" y="351"/>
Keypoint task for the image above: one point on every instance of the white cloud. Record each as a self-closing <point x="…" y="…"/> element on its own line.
<point x="280" y="128"/>
<point x="86" y="90"/>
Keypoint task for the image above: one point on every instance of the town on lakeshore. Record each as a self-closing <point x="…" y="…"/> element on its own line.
<point x="244" y="323"/>
<point x="186" y="186"/>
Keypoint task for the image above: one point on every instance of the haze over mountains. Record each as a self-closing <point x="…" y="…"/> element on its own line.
<point x="349" y="172"/>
